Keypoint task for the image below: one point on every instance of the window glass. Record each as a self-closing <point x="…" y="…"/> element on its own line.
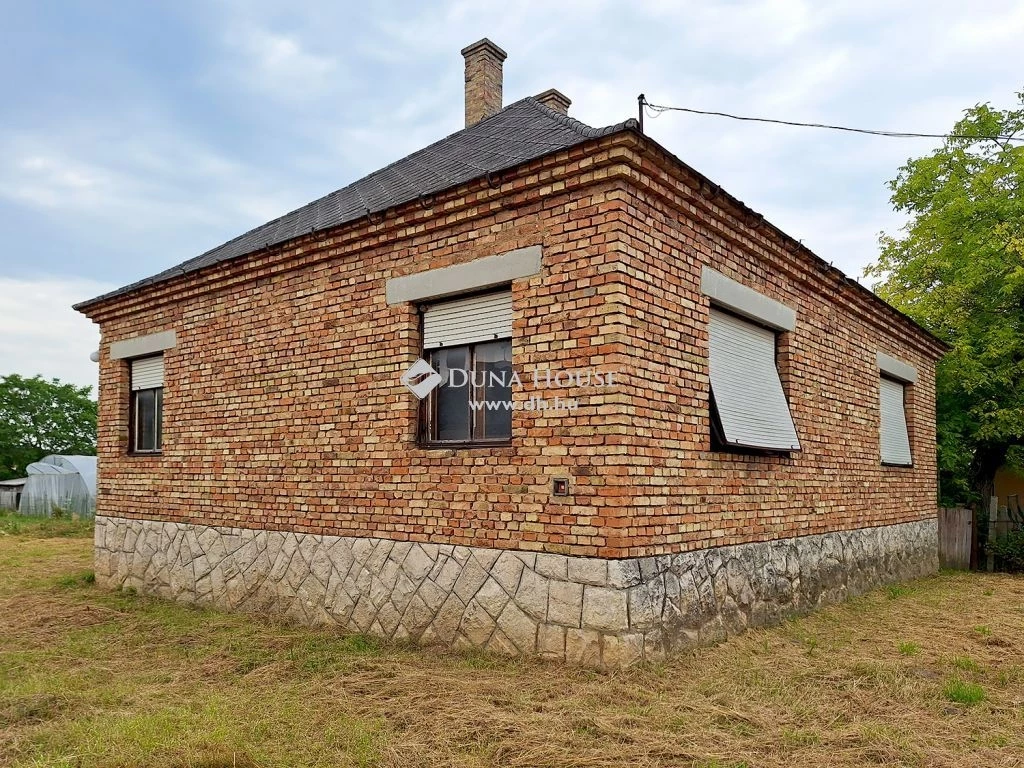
<point x="145" y="420"/>
<point x="159" y="419"/>
<point x="451" y="398"/>
<point x="493" y="364"/>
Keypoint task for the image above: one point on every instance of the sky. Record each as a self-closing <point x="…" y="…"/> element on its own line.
<point x="134" y="136"/>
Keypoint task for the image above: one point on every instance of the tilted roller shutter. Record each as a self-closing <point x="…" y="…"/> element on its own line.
<point x="745" y="383"/>
<point x="468" y="321"/>
<point x="895" y="438"/>
<point x="148" y="373"/>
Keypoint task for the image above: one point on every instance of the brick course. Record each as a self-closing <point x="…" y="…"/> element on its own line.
<point x="283" y="408"/>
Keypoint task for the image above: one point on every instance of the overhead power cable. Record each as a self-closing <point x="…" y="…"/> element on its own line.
<point x="656" y="110"/>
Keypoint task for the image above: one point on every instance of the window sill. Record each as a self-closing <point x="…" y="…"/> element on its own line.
<point x="887" y="465"/>
<point x="755" y="452"/>
<point x="143" y="454"/>
<point x="728" y="449"/>
<point x="463" y="446"/>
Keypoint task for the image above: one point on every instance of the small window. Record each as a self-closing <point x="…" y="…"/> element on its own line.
<point x="147" y="404"/>
<point x="469" y="343"/>
<point x="895" y="436"/>
<point x="749" y="408"/>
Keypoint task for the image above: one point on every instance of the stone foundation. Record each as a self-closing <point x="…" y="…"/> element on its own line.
<point x="606" y="613"/>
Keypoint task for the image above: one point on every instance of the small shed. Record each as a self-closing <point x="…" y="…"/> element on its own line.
<point x="10" y="493"/>
<point x="64" y="483"/>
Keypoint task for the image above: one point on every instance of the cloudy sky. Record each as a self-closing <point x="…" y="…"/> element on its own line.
<point x="136" y="135"/>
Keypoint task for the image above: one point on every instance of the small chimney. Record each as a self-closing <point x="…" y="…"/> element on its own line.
<point x="483" y="80"/>
<point x="555" y="100"/>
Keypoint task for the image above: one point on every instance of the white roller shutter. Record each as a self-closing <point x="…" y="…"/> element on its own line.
<point x="148" y="372"/>
<point x="468" y="321"/>
<point x="745" y="384"/>
<point x="895" y="438"/>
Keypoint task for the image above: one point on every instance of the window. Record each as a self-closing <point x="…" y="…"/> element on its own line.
<point x="469" y="343"/>
<point x="894" y="429"/>
<point x="749" y="408"/>
<point x="147" y="404"/>
<point x="895" y="437"/>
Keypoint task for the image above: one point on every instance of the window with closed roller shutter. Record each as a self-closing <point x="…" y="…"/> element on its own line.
<point x="895" y="437"/>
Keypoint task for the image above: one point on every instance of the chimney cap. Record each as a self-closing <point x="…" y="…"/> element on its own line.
<point x="554" y="99"/>
<point x="487" y="46"/>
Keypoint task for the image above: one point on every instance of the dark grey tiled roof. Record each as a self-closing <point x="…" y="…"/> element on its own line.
<point x="520" y="132"/>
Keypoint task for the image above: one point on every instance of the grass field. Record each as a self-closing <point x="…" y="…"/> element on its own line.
<point x="925" y="674"/>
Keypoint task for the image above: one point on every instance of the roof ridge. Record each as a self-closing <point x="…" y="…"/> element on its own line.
<point x="584" y="130"/>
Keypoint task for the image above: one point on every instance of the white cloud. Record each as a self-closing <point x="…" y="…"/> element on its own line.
<point x="142" y="202"/>
<point x="278" y="64"/>
<point x="41" y="334"/>
<point x="51" y="182"/>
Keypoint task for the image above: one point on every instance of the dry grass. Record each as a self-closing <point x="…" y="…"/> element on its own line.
<point x="92" y="678"/>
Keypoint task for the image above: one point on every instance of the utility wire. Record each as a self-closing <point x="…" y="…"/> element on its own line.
<point x="656" y="110"/>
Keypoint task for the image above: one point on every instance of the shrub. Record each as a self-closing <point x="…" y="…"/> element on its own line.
<point x="1010" y="549"/>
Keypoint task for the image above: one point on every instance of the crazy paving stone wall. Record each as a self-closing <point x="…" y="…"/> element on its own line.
<point x="590" y="611"/>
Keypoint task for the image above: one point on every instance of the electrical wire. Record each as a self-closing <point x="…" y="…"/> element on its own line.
<point x="657" y="110"/>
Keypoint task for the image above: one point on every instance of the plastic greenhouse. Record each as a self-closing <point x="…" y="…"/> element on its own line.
<point x="64" y="483"/>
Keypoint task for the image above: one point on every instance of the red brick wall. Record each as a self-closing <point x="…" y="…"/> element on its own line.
<point x="283" y="407"/>
<point x="690" y="495"/>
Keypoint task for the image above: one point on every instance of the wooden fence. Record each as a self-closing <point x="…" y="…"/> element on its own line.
<point x="965" y="539"/>
<point x="956" y="537"/>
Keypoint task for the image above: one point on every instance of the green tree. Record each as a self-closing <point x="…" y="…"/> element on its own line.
<point x="40" y="417"/>
<point x="958" y="269"/>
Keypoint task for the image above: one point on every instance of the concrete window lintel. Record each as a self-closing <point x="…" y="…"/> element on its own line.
<point x="729" y="294"/>
<point x="143" y="345"/>
<point x="485" y="272"/>
<point x="896" y="368"/>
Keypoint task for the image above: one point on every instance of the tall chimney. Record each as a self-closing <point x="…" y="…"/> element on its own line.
<point x="555" y="100"/>
<point x="483" y="80"/>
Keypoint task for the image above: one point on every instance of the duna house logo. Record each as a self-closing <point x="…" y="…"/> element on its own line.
<point x="421" y="378"/>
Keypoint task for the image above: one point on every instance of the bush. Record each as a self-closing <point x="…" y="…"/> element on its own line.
<point x="1010" y="549"/>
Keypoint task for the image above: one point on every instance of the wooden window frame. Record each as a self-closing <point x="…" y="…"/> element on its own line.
<point x="428" y="417"/>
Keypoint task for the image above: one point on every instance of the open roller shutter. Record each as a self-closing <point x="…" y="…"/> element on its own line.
<point x="745" y="384"/>
<point x="148" y="373"/>
<point x="468" y="321"/>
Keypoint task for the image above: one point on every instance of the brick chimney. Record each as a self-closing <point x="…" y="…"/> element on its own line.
<point x="555" y="100"/>
<point x="483" y="80"/>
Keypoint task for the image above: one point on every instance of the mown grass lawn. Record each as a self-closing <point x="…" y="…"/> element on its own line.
<point x="926" y="674"/>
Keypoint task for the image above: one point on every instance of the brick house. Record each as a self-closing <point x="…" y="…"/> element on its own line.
<point x="649" y="419"/>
